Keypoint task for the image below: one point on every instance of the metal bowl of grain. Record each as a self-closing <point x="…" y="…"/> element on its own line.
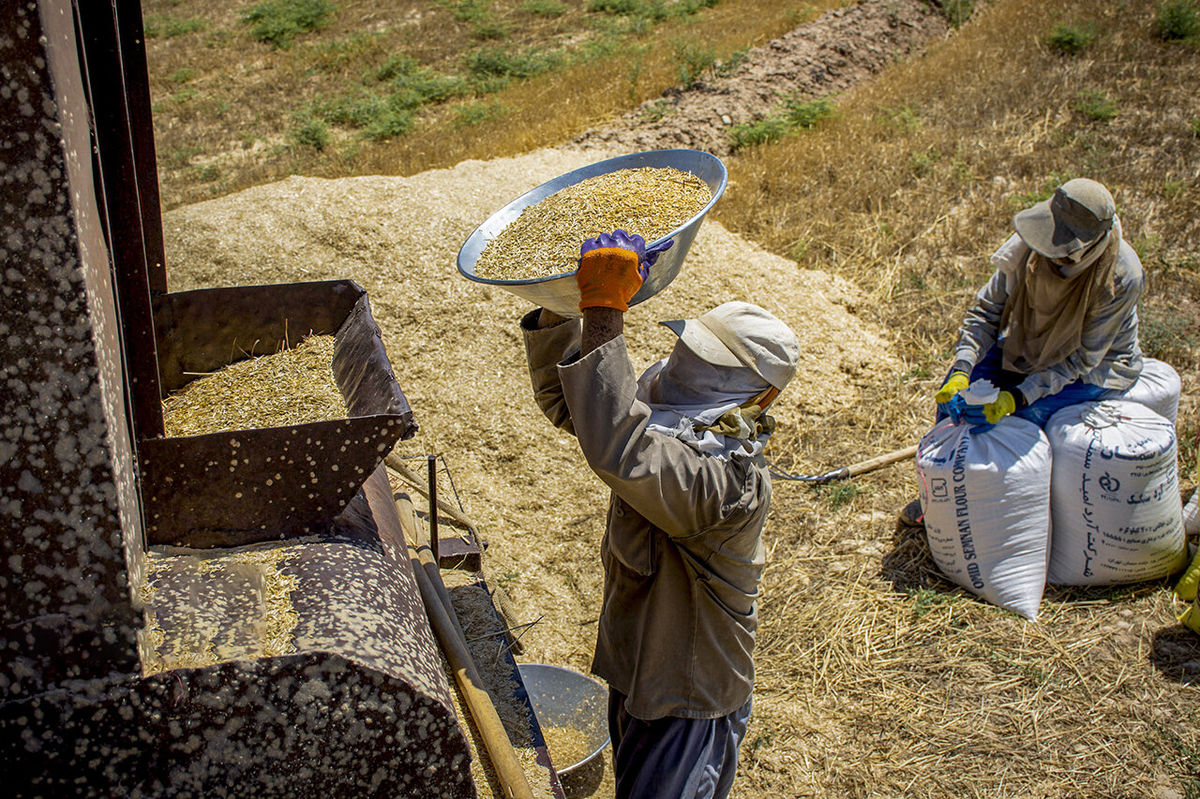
<point x="536" y="257"/>
<point x="572" y="712"/>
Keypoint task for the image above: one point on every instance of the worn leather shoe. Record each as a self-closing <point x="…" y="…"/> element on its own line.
<point x="911" y="514"/>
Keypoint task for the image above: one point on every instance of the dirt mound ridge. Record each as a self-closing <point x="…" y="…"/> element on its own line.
<point x="828" y="55"/>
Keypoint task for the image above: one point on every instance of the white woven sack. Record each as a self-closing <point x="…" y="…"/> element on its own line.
<point x="986" y="499"/>
<point x="1157" y="387"/>
<point x="1116" y="513"/>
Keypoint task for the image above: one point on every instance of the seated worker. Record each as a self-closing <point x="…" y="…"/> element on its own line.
<point x="682" y="551"/>
<point x="1057" y="323"/>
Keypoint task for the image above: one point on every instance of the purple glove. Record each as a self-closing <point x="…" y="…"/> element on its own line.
<point x="633" y="242"/>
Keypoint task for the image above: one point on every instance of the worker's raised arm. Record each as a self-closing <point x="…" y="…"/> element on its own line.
<point x="549" y="340"/>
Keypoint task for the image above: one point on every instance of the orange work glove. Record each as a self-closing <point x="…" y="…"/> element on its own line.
<point x="610" y="270"/>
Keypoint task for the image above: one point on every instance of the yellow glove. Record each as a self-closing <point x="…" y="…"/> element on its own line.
<point x="1191" y="617"/>
<point x="1185" y="589"/>
<point x="955" y="383"/>
<point x="1005" y="404"/>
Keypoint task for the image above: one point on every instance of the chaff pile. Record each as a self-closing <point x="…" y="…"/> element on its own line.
<point x="544" y="240"/>
<point x="486" y="642"/>
<point x="293" y="386"/>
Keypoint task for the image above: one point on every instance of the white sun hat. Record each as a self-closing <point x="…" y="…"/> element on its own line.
<point x="742" y="334"/>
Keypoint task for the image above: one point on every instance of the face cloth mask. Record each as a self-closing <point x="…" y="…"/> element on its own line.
<point x="703" y="404"/>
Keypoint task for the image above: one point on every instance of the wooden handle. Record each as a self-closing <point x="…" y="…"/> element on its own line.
<point x="446" y="627"/>
<point x="880" y="461"/>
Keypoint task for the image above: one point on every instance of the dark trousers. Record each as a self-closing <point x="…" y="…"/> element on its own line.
<point x="674" y="758"/>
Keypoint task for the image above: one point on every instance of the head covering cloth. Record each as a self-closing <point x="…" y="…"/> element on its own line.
<point x="726" y="368"/>
<point x="1050" y="306"/>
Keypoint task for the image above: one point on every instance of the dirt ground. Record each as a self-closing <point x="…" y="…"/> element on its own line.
<point x="457" y="353"/>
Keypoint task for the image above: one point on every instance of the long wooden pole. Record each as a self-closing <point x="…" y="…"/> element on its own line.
<point x="444" y="622"/>
<point x="853" y="470"/>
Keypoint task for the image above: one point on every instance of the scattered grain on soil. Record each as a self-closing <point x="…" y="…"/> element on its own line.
<point x="293" y="386"/>
<point x="544" y="240"/>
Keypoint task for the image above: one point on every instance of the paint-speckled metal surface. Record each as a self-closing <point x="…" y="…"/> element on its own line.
<point x="346" y="696"/>
<point x="237" y="487"/>
<point x="71" y="537"/>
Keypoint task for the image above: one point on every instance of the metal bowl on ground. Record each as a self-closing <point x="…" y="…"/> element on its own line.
<point x="565" y="698"/>
<point x="559" y="293"/>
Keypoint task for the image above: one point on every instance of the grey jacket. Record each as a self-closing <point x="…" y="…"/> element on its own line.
<point x="682" y="551"/>
<point x="1109" y="355"/>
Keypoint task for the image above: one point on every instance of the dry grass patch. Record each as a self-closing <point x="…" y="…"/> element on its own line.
<point x="911" y="187"/>
<point x="878" y="678"/>
<point x="400" y="86"/>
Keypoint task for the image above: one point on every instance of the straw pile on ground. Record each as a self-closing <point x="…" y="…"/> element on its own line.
<point x="875" y="677"/>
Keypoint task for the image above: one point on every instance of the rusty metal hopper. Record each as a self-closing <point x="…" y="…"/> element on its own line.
<point x="241" y="486"/>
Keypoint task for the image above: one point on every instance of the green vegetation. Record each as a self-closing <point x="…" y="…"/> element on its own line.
<point x="655" y="111"/>
<point x="170" y="27"/>
<point x="413" y="85"/>
<point x="496" y="62"/>
<point x="376" y="116"/>
<point x="1177" y="20"/>
<point x="723" y="69"/>
<point x="491" y="29"/>
<point x="467" y="10"/>
<point x="1070" y="39"/>
<point x="478" y="112"/>
<point x="279" y="22"/>
<point x="958" y="11"/>
<point x="550" y="9"/>
<point x="928" y="599"/>
<point x="839" y="494"/>
<point x="748" y="134"/>
<point x="694" y="60"/>
<point x="1095" y="105"/>
<point x="652" y="10"/>
<point x="794" y="115"/>
<point x="904" y="119"/>
<point x="310" y="132"/>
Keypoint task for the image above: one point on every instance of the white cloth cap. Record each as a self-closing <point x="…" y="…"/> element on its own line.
<point x="741" y="334"/>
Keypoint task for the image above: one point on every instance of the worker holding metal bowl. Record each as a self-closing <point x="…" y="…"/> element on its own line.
<point x="680" y="448"/>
